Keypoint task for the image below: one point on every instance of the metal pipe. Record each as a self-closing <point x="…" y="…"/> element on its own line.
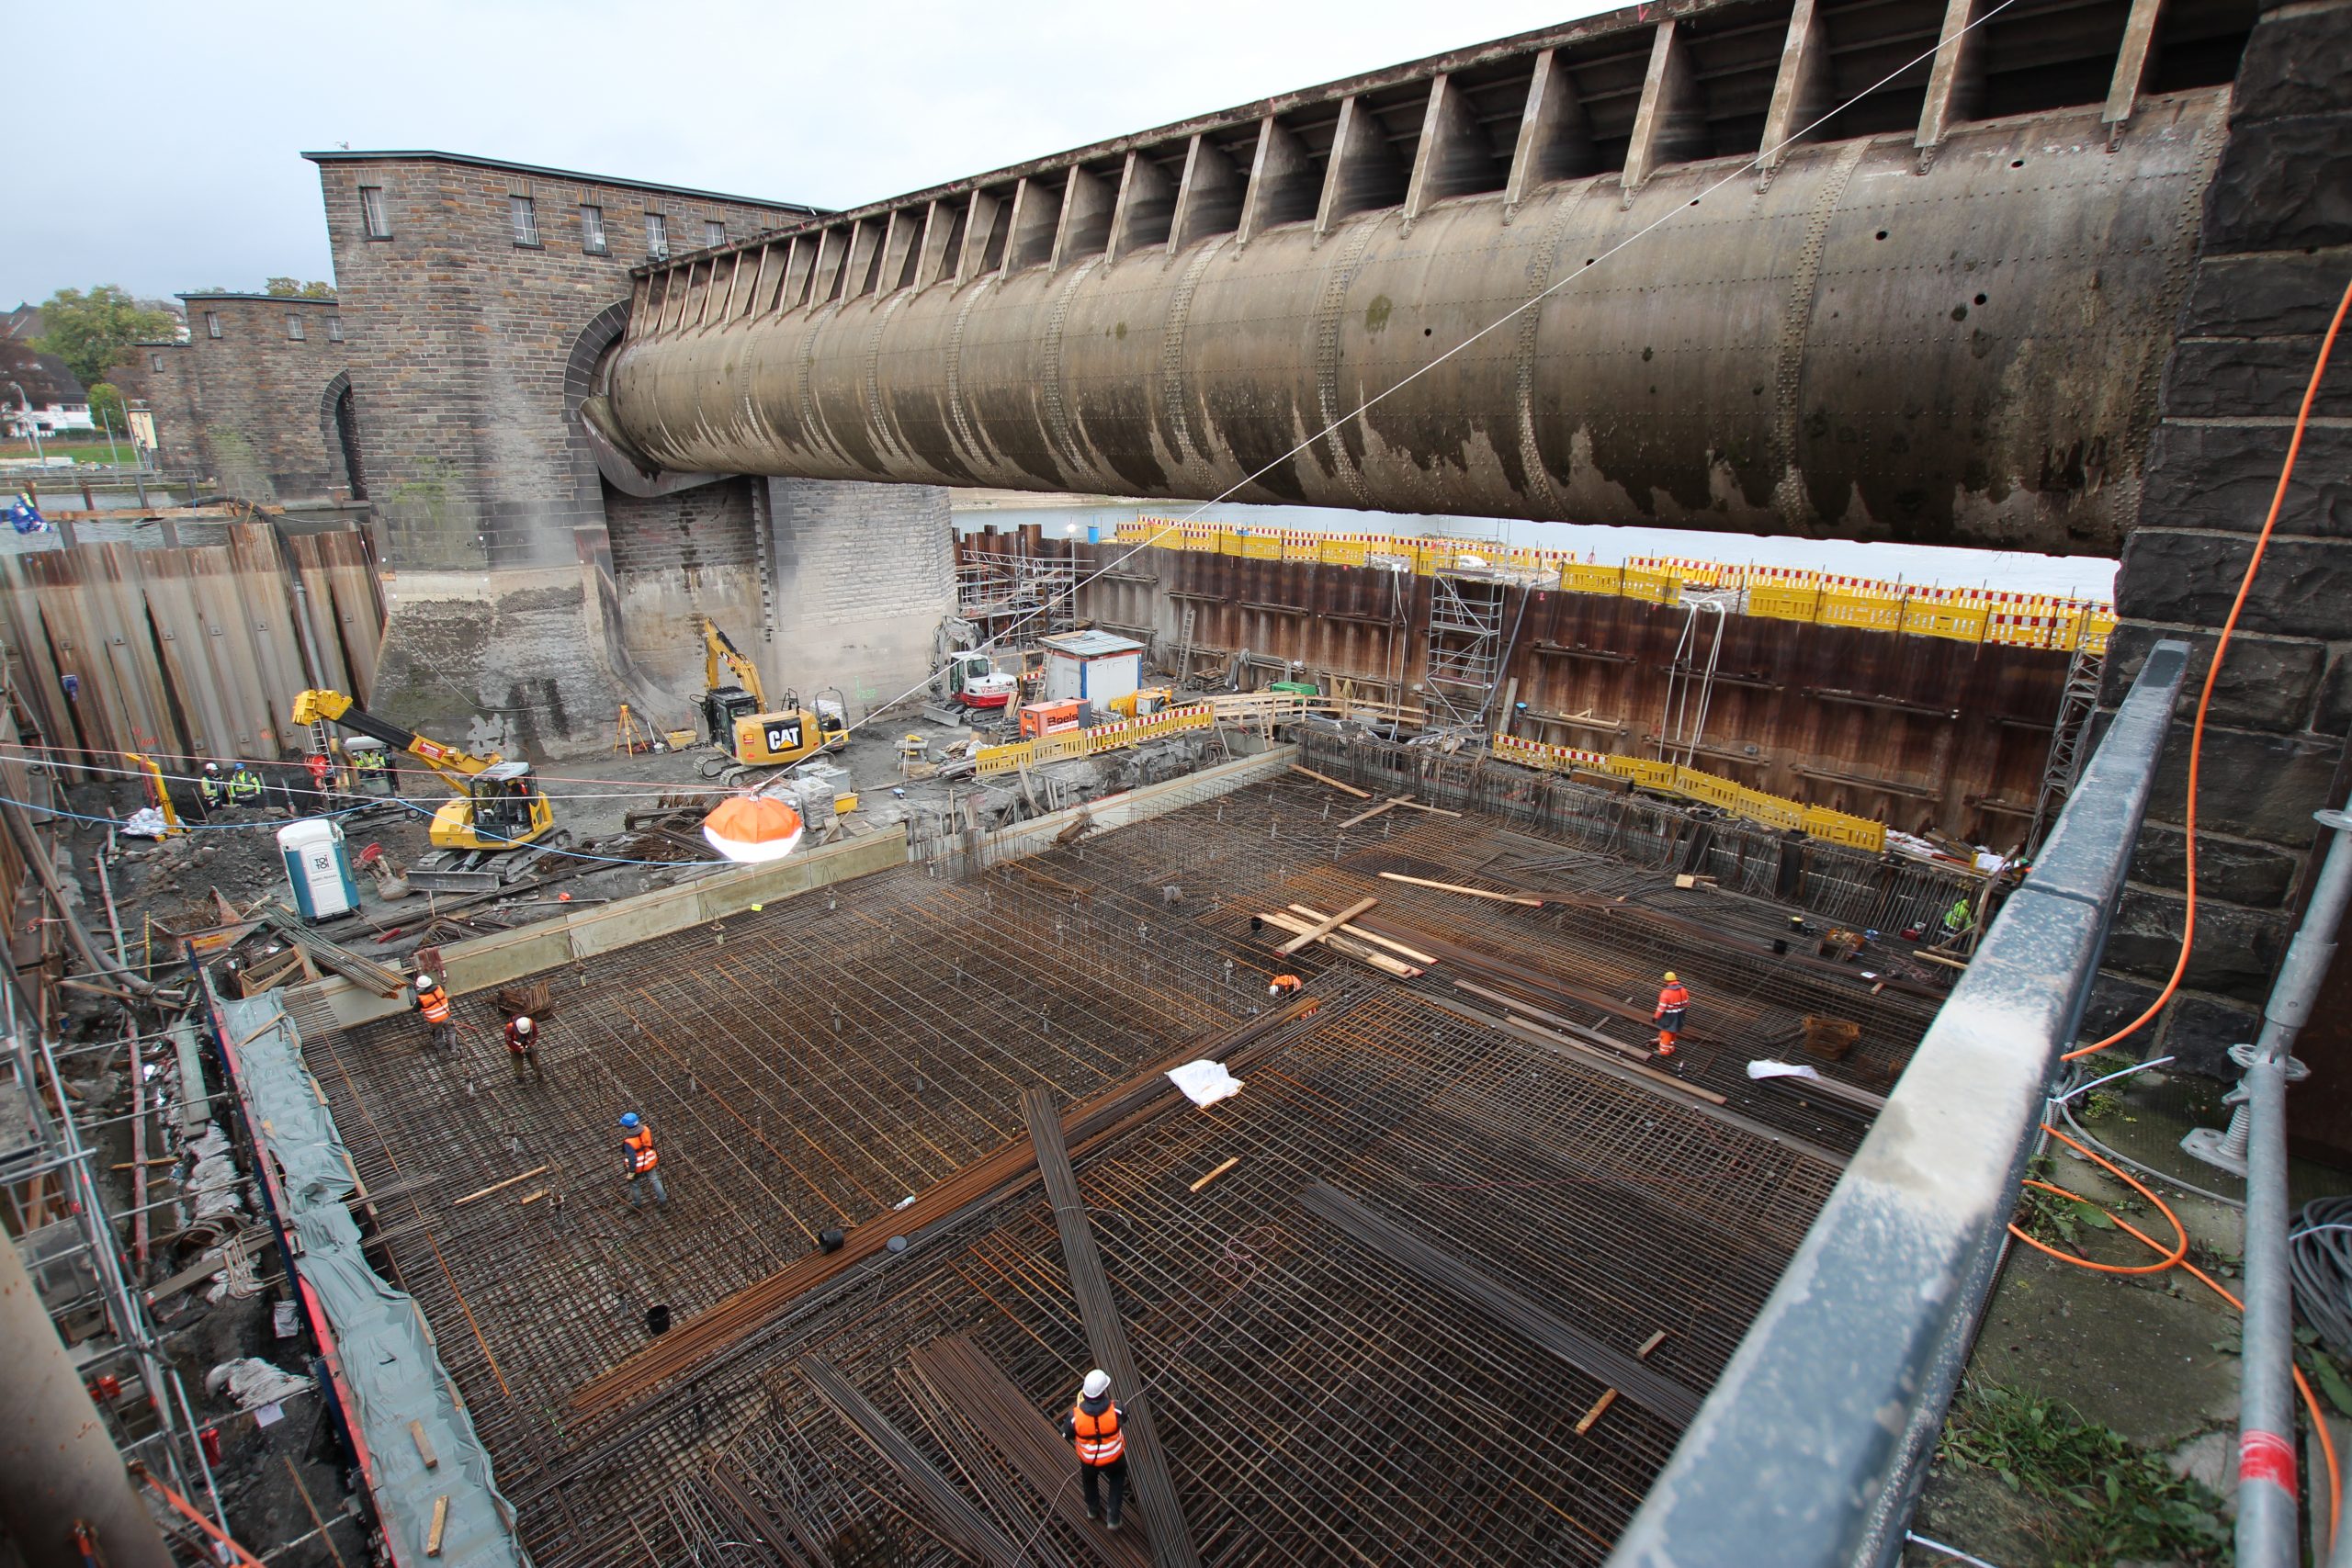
<point x="2267" y="1526"/>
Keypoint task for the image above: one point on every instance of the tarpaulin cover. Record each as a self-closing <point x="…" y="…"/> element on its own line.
<point x="390" y="1374"/>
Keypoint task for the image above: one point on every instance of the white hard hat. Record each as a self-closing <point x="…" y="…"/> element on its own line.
<point x="424" y="982"/>
<point x="1097" y="1384"/>
<point x="524" y="1024"/>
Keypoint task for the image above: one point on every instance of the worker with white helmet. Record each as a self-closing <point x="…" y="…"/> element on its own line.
<point x="644" y="1181"/>
<point x="1094" y="1424"/>
<point x="523" y="1047"/>
<point x="433" y="1003"/>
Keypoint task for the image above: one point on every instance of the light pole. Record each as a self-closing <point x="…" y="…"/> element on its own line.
<point x="32" y="425"/>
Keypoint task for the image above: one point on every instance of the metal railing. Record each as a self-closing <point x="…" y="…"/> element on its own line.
<point x="1811" y="1447"/>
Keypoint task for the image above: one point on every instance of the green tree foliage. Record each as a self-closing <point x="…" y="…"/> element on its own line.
<point x="92" y="331"/>
<point x="297" y="289"/>
<point x="106" y="407"/>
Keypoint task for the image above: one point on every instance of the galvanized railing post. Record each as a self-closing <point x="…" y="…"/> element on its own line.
<point x="2267" y="1534"/>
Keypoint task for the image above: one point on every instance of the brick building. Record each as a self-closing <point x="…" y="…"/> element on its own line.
<point x="256" y="401"/>
<point x="480" y="298"/>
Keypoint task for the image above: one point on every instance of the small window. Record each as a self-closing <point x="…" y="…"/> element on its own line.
<point x="371" y="212"/>
<point x="334" y="329"/>
<point x="527" y="220"/>
<point x="294" y="328"/>
<point x="155" y="364"/>
<point x="657" y="236"/>
<point x="714" y="233"/>
<point x="212" y="323"/>
<point x="591" y="230"/>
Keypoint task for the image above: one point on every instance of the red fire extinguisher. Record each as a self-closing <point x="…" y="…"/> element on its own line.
<point x="208" y="1438"/>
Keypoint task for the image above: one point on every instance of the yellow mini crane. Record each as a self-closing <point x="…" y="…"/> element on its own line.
<point x="745" y="731"/>
<point x="497" y="806"/>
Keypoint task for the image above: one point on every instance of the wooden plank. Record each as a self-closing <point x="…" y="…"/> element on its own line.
<point x="1323" y="928"/>
<point x="1566" y="1025"/>
<point x="1213" y="1175"/>
<point x="440" y="1524"/>
<point x="1409" y="803"/>
<point x="1385" y="805"/>
<point x="1106" y="1337"/>
<point x="1355" y="931"/>
<point x="423" y="1445"/>
<point x="1466" y="892"/>
<point x="1453" y="1276"/>
<point x="1326" y="779"/>
<point x="965" y="1380"/>
<point x="1609" y="1395"/>
<point x="1355" y="950"/>
<point x="948" y="1511"/>
<point x="497" y="1185"/>
<point x="1679" y="1084"/>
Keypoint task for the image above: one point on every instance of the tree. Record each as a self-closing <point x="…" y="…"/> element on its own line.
<point x="288" y="285"/>
<point x="106" y="407"/>
<point x="91" y="331"/>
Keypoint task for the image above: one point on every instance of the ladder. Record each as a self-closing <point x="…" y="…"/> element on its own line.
<point x="1185" y="647"/>
<point x="2063" y="766"/>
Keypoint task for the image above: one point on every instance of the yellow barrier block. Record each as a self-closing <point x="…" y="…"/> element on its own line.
<point x="1960" y="623"/>
<point x="2097" y="626"/>
<point x="1261" y="547"/>
<point x="1841" y="828"/>
<point x="1873" y="611"/>
<point x="1708" y="787"/>
<point x="1652" y="587"/>
<point x="1230" y="542"/>
<point x="1343" y="552"/>
<point x="1577" y="578"/>
<point x="1302" y="549"/>
<point x="1002" y="758"/>
<point x="1644" y="772"/>
<point x="1785" y="604"/>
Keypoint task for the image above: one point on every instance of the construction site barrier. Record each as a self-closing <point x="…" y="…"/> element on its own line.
<point x="1086" y="742"/>
<point x="1779" y="592"/>
<point x="1669" y="778"/>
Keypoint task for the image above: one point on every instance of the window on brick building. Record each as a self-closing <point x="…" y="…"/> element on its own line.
<point x="294" y="328"/>
<point x="371" y="212"/>
<point x="155" y="363"/>
<point x="212" y="323"/>
<point x="714" y="233"/>
<point x="657" y="236"/>
<point x="334" y="329"/>
<point x="527" y="220"/>
<point x="591" y="230"/>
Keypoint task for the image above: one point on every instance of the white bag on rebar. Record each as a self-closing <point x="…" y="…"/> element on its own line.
<point x="1205" y="1083"/>
<point x="251" y="1382"/>
<point x="212" y="1188"/>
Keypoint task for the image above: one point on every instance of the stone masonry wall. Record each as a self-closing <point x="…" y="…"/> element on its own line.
<point x="863" y="574"/>
<point x="2274" y="256"/>
<point x="462" y="339"/>
<point x="163" y="377"/>
<point x="258" y="391"/>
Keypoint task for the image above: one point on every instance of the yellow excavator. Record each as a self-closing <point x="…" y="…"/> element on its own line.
<point x="747" y="734"/>
<point x="496" y="806"/>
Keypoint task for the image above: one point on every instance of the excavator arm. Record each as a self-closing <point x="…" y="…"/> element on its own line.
<point x="719" y="654"/>
<point x="454" y="767"/>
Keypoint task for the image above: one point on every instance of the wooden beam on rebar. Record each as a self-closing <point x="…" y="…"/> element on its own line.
<point x="1445" y="1273"/>
<point x="948" y="1510"/>
<point x="1106" y="1337"/>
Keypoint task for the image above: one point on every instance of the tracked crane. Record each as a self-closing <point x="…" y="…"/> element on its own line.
<point x="496" y="806"/>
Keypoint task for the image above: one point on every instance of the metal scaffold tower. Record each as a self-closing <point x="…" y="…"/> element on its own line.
<point x="1465" y="645"/>
<point x="1690" y="684"/>
<point x="2067" y="754"/>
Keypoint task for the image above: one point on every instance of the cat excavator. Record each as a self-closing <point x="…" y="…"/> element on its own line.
<point x="748" y="735"/>
<point x="496" y="806"/>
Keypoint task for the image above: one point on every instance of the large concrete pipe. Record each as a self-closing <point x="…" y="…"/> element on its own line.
<point x="58" y="1465"/>
<point x="1965" y="355"/>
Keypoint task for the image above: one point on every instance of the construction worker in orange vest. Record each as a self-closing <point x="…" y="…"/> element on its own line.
<point x="433" y="1003"/>
<point x="1092" y="1425"/>
<point x="638" y="1139"/>
<point x="1673" y="999"/>
<point x="523" y="1048"/>
<point x="1284" y="985"/>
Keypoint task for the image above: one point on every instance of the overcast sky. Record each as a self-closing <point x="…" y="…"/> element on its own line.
<point x="180" y="168"/>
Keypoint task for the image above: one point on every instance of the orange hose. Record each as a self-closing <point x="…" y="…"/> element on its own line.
<point x="2213" y="674"/>
<point x="2177" y="1257"/>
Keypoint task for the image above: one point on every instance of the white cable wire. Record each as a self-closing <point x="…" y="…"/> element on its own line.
<point x="1513" y="313"/>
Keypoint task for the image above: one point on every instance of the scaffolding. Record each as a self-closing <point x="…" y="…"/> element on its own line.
<point x="2063" y="767"/>
<point x="1466" y="647"/>
<point x="1690" y="684"/>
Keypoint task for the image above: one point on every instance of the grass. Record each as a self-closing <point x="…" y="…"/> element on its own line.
<point x="2105" y="1499"/>
<point x="80" y="451"/>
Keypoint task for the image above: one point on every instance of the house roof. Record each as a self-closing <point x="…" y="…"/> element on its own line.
<point x="24" y="321"/>
<point x="330" y="301"/>
<point x="43" y="377"/>
<point x="343" y="155"/>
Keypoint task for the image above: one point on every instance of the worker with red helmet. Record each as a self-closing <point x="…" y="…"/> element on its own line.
<point x="523" y="1047"/>
<point x="1673" y="1000"/>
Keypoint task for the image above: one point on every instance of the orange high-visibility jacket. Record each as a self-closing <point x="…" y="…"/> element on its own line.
<point x="640" y="1148"/>
<point x="1099" y="1440"/>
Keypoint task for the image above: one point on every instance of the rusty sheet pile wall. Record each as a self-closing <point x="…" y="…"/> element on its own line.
<point x="190" y="652"/>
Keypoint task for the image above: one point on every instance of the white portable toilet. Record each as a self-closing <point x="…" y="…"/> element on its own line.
<point x="317" y="868"/>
